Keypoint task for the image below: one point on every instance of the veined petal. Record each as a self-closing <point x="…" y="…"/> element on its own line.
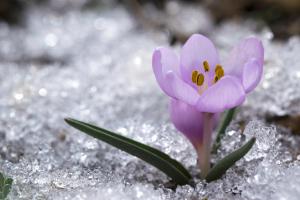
<point x="187" y="119"/>
<point x="252" y="74"/>
<point x="165" y="67"/>
<point x="164" y="60"/>
<point x="195" y="51"/>
<point x="250" y="48"/>
<point x="227" y="93"/>
<point x="169" y="60"/>
<point x="182" y="90"/>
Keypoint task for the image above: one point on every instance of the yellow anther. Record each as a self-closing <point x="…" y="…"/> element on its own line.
<point x="194" y="76"/>
<point x="206" y="66"/>
<point x="216" y="78"/>
<point x="219" y="71"/>
<point x="200" y="79"/>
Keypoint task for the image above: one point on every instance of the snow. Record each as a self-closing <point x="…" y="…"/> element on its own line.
<point x="96" y="67"/>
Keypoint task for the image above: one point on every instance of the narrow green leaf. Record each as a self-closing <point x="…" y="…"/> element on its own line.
<point x="6" y="190"/>
<point x="2" y="180"/>
<point x="226" y="119"/>
<point x="221" y="167"/>
<point x="5" y="186"/>
<point x="8" y="181"/>
<point x="160" y="160"/>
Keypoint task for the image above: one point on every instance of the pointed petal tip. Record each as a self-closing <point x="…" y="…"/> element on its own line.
<point x="156" y="55"/>
<point x="241" y="53"/>
<point x="194" y="52"/>
<point x="158" y="49"/>
<point x="159" y="62"/>
<point x="198" y="35"/>
<point x="254" y="43"/>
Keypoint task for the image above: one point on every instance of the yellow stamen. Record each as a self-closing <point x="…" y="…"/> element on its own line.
<point x="206" y="66"/>
<point x="200" y="79"/>
<point x="216" y="78"/>
<point x="219" y="71"/>
<point x="194" y="76"/>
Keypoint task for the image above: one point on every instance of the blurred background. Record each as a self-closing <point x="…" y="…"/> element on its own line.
<point x="178" y="18"/>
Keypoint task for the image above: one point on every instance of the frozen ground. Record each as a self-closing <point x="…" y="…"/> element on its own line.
<point x="96" y="66"/>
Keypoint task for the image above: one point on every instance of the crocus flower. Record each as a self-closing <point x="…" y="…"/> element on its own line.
<point x="200" y="87"/>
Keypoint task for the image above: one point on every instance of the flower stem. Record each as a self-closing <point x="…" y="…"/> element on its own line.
<point x="204" y="148"/>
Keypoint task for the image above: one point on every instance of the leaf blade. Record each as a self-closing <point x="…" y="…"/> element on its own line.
<point x="5" y="186"/>
<point x="163" y="155"/>
<point x="2" y="180"/>
<point x="226" y="119"/>
<point x="224" y="164"/>
<point x="8" y="181"/>
<point x="160" y="160"/>
<point x="6" y="190"/>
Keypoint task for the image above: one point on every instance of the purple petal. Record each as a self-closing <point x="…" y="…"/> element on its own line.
<point x="227" y="93"/>
<point x="195" y="51"/>
<point x="188" y="120"/>
<point x="250" y="48"/>
<point x="165" y="67"/>
<point x="164" y="60"/>
<point x="252" y="74"/>
<point x="181" y="90"/>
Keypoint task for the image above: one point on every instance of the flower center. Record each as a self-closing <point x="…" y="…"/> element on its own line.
<point x="198" y="78"/>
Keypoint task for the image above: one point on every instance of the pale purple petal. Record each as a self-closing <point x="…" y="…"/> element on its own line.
<point x="181" y="90"/>
<point x="195" y="51"/>
<point x="227" y="93"/>
<point x="250" y="48"/>
<point x="169" y="60"/>
<point x="252" y="74"/>
<point x="164" y="60"/>
<point x="187" y="119"/>
<point x="165" y="67"/>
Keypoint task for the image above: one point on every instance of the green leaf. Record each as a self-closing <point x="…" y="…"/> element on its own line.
<point x="158" y="159"/>
<point x="226" y="119"/>
<point x="8" y="181"/>
<point x="2" y="180"/>
<point x="221" y="167"/>
<point x="6" y="190"/>
<point x="5" y="186"/>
